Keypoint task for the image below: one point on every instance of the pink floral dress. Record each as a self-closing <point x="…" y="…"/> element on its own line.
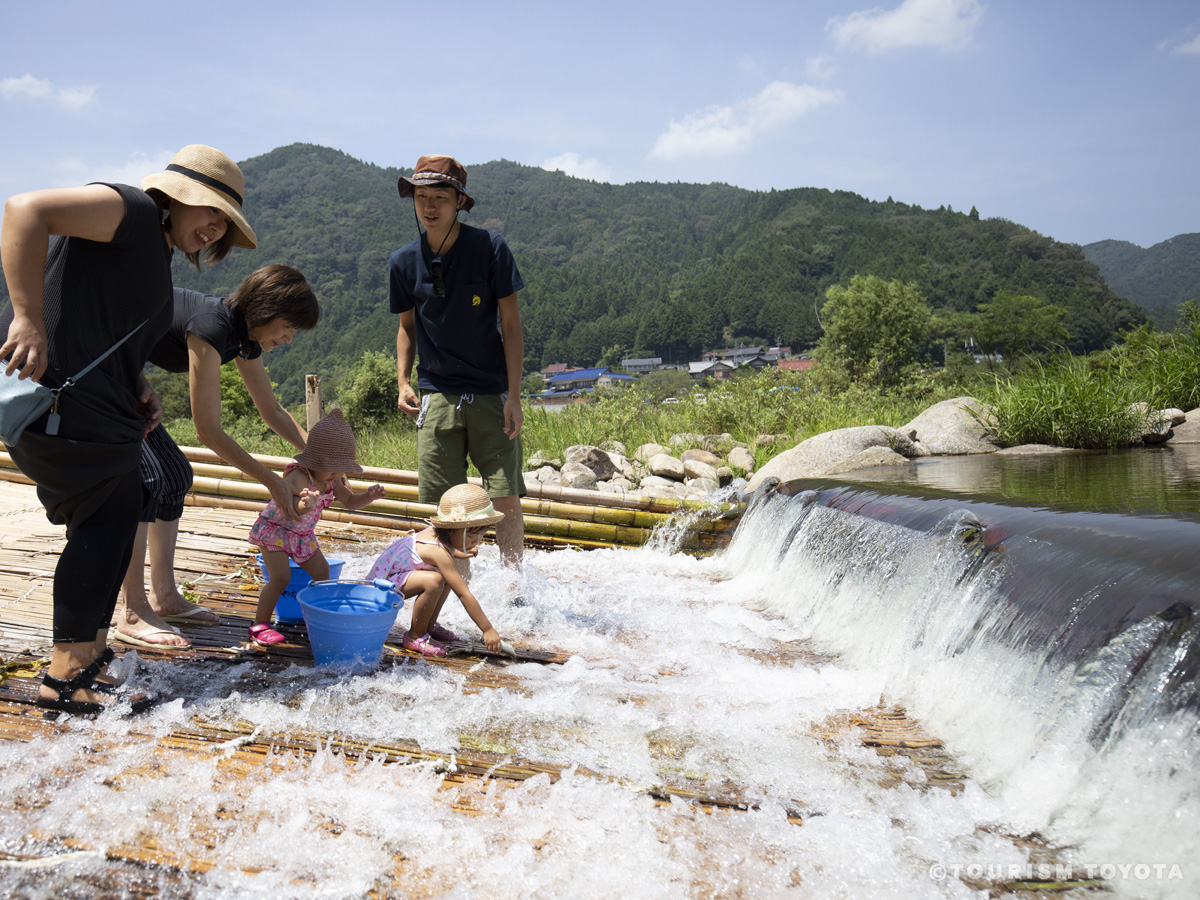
<point x="398" y="561"/>
<point x="276" y="533"/>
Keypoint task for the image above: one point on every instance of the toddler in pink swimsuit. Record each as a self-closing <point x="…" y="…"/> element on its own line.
<point x="319" y="477"/>
<point x="422" y="565"/>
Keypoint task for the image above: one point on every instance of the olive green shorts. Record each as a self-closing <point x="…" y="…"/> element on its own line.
<point x="453" y="427"/>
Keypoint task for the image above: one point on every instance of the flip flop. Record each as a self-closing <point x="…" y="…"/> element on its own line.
<point x="188" y="616"/>
<point x="139" y="639"/>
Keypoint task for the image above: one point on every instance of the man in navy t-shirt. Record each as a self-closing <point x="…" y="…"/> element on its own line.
<point x="455" y="288"/>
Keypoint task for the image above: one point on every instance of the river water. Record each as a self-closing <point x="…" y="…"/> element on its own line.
<point x="734" y="669"/>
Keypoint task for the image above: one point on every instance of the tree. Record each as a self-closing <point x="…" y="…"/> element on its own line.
<point x="369" y="393"/>
<point x="664" y="383"/>
<point x="1012" y="323"/>
<point x="874" y="327"/>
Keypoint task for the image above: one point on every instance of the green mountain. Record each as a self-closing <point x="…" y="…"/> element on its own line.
<point x="1158" y="279"/>
<point x="655" y="269"/>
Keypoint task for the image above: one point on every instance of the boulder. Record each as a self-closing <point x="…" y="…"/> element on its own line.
<point x="705" y="456"/>
<point x="577" y="475"/>
<point x="694" y="468"/>
<point x="617" y="447"/>
<point x="702" y="485"/>
<point x="688" y="439"/>
<point x="1188" y="431"/>
<point x="870" y="458"/>
<point x="953" y="427"/>
<point x="646" y="452"/>
<point x="656" y="481"/>
<point x="821" y="452"/>
<point x="741" y="458"/>
<point x="666" y="466"/>
<point x="599" y="461"/>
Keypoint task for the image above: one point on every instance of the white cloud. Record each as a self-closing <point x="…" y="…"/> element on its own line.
<point x="74" y="170"/>
<point x="818" y="69"/>
<point x="914" y="23"/>
<point x="1192" y="47"/>
<point x="73" y="99"/>
<point x="725" y="130"/>
<point x="578" y="167"/>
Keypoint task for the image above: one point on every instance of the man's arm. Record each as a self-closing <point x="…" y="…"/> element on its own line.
<point x="514" y="363"/>
<point x="406" y="354"/>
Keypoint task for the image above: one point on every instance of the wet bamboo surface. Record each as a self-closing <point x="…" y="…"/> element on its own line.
<point x="216" y="564"/>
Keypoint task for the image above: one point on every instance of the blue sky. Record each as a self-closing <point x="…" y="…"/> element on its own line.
<point x="1078" y="119"/>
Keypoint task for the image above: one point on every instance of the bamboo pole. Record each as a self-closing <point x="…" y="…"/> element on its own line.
<point x="595" y="523"/>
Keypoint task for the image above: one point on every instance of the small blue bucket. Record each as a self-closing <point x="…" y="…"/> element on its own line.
<point x="287" y="610"/>
<point x="348" y="621"/>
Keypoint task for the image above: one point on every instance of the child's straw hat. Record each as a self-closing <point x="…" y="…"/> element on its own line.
<point x="330" y="447"/>
<point x="465" y="506"/>
<point x="203" y="176"/>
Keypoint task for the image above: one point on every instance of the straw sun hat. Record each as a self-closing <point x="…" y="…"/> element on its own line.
<point x="330" y="447"/>
<point x="465" y="506"/>
<point x="202" y="176"/>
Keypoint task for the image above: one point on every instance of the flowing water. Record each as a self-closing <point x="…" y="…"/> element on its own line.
<point x="1073" y="724"/>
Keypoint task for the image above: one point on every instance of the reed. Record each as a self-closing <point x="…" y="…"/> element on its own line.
<point x="1067" y="403"/>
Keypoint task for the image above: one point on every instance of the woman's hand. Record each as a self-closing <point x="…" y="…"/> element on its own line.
<point x="283" y="495"/>
<point x="26" y="348"/>
<point x="149" y="406"/>
<point x="491" y="640"/>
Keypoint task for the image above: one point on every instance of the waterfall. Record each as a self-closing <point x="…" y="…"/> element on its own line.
<point x="1056" y="654"/>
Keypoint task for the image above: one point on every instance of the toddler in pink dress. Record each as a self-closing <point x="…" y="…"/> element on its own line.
<point x="318" y="476"/>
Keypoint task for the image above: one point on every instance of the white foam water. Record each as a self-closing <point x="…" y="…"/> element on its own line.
<point x="676" y="674"/>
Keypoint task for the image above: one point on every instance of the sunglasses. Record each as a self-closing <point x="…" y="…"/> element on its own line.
<point x="435" y="267"/>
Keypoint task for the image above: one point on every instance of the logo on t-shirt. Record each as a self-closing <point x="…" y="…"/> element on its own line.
<point x="476" y="300"/>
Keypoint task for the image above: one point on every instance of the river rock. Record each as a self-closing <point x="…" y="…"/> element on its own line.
<point x="617" y="485"/>
<point x="953" y="427"/>
<point x="599" y="461"/>
<point x="870" y="458"/>
<point x="1188" y="432"/>
<point x="725" y="476"/>
<point x="646" y="452"/>
<point x="702" y="485"/>
<point x="666" y="466"/>
<point x="542" y="475"/>
<point x="705" y="456"/>
<point x="687" y="439"/>
<point x="617" y="447"/>
<point x="539" y="459"/>
<point x="768" y="440"/>
<point x="741" y="458"/>
<point x="694" y="468"/>
<point x="577" y="475"/>
<point x="815" y="456"/>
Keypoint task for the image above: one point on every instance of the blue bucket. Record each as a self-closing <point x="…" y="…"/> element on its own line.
<point x="287" y="610"/>
<point x="348" y="621"/>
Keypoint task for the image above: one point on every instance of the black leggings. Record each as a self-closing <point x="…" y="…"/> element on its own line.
<point x="87" y="580"/>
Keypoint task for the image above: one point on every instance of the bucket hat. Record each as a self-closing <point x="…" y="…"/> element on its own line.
<point x="203" y="176"/>
<point x="330" y="446"/>
<point x="437" y="170"/>
<point x="465" y="506"/>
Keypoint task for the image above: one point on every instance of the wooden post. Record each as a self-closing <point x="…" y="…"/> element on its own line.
<point x="313" y="406"/>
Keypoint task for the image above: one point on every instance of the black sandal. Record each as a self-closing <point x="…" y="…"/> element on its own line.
<point x="81" y="681"/>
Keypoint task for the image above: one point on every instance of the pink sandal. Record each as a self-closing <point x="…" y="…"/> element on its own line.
<point x="425" y="645"/>
<point x="445" y="635"/>
<point x="264" y="635"/>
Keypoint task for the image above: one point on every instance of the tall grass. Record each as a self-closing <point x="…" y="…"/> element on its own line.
<point x="1067" y="403"/>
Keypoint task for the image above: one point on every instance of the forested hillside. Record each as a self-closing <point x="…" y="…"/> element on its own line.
<point x="1158" y="278"/>
<point x="652" y="269"/>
